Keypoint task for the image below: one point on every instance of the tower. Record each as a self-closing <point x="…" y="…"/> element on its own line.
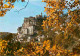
<point x="41" y="13"/>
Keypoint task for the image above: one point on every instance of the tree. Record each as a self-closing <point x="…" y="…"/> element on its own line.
<point x="7" y="5"/>
<point x="63" y="26"/>
<point x="3" y="45"/>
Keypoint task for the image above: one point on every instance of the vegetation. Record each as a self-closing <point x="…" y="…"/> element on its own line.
<point x="34" y="49"/>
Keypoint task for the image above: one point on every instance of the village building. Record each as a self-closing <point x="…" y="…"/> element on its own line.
<point x="27" y="30"/>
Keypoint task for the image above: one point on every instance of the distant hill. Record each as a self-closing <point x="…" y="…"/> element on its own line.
<point x="6" y="34"/>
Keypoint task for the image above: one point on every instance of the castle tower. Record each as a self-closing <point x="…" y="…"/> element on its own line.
<point x="41" y="13"/>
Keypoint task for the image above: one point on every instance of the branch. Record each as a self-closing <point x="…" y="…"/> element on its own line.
<point x="23" y="8"/>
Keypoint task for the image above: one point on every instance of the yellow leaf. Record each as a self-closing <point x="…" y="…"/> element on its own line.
<point x="8" y="2"/>
<point x="54" y="47"/>
<point x="12" y="6"/>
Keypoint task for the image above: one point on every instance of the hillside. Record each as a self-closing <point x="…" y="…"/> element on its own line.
<point x="6" y="34"/>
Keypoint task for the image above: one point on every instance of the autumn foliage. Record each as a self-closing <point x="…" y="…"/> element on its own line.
<point x="7" y="5"/>
<point x="57" y="21"/>
<point x="37" y="49"/>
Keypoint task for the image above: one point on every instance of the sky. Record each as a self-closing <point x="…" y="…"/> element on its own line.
<point x="12" y="19"/>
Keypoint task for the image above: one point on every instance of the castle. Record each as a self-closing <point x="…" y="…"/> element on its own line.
<point x="27" y="30"/>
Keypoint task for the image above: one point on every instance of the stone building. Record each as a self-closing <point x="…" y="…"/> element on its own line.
<point x="28" y="28"/>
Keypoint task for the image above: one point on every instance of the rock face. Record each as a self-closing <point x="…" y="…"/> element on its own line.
<point x="28" y="28"/>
